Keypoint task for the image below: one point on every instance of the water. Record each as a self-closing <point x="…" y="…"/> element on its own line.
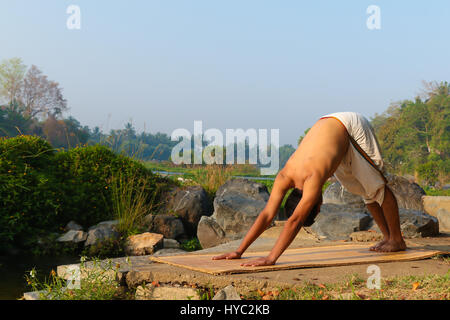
<point x="14" y="268"/>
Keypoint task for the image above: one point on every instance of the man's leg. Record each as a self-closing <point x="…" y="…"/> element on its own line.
<point x="390" y="211"/>
<point x="378" y="216"/>
<point x="391" y="222"/>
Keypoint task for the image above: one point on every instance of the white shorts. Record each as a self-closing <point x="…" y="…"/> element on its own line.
<point x="356" y="173"/>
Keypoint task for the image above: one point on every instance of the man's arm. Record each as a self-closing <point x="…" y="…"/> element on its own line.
<point x="279" y="189"/>
<point x="312" y="189"/>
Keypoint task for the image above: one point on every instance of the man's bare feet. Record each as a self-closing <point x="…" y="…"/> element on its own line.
<point x="379" y="244"/>
<point x="392" y="246"/>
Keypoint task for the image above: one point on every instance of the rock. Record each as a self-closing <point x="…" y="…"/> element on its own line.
<point x="443" y="216"/>
<point x="169" y="226"/>
<point x="337" y="222"/>
<point x="251" y="189"/>
<point x="189" y="204"/>
<point x="105" y="224"/>
<point x="408" y="194"/>
<point x="432" y="204"/>
<point x="171" y="244"/>
<point x="33" y="295"/>
<point x="366" y="236"/>
<point x="237" y="204"/>
<point x="72" y="225"/>
<point x="209" y="233"/>
<point x="227" y="293"/>
<point x="418" y="224"/>
<point x="150" y="292"/>
<point x="73" y="236"/>
<point x="169" y="252"/>
<point x="336" y="194"/>
<point x="415" y="224"/>
<point x="143" y="244"/>
<point x="102" y="231"/>
<point x="235" y="213"/>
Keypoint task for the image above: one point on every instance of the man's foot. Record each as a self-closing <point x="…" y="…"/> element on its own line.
<point x="392" y="246"/>
<point x="379" y="244"/>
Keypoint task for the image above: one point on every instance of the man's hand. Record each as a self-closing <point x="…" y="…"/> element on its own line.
<point x="258" y="262"/>
<point x="228" y="256"/>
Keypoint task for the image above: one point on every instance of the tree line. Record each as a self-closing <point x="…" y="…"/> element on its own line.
<point x="32" y="104"/>
<point x="414" y="135"/>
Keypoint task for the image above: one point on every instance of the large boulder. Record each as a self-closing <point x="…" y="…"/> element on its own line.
<point x="209" y="233"/>
<point x="237" y="204"/>
<point x="189" y="204"/>
<point x="169" y="226"/>
<point x="444" y="219"/>
<point x="408" y="194"/>
<point x="337" y="194"/>
<point x="102" y="231"/>
<point x="432" y="204"/>
<point x="143" y="244"/>
<point x="338" y="222"/>
<point x="415" y="224"/>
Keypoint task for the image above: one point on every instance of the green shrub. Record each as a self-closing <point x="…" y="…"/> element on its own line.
<point x="191" y="245"/>
<point x="28" y="192"/>
<point x="86" y="175"/>
<point x="41" y="190"/>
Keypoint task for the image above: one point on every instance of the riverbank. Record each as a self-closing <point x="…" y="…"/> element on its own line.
<point x="430" y="274"/>
<point x="14" y="267"/>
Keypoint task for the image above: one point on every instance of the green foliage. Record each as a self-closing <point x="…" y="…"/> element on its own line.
<point x="86" y="173"/>
<point x="415" y="135"/>
<point x="41" y="190"/>
<point x="106" y="248"/>
<point x="129" y="200"/>
<point x="191" y="245"/>
<point x="28" y="190"/>
<point x="97" y="282"/>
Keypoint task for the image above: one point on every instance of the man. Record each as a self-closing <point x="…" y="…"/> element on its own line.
<point x="342" y="144"/>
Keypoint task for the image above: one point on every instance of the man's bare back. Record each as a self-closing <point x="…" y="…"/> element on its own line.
<point x="316" y="159"/>
<point x="320" y="152"/>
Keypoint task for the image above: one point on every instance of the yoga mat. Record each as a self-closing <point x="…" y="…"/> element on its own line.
<point x="340" y="255"/>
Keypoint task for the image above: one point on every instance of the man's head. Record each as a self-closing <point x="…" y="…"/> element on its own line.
<point x="292" y="202"/>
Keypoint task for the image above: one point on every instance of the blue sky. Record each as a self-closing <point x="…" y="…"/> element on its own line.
<point x="232" y="64"/>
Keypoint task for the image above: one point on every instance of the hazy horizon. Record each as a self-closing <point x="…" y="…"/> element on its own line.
<point x="253" y="64"/>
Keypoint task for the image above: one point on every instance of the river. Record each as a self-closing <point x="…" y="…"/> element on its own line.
<point x="14" y="268"/>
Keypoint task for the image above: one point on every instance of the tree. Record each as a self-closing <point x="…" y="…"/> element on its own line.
<point x="41" y="96"/>
<point x="414" y="135"/>
<point x="12" y="122"/>
<point x="12" y="72"/>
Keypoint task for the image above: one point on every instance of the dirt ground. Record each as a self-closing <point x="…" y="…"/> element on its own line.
<point x="339" y="273"/>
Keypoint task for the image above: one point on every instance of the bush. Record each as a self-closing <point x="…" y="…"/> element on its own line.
<point x="86" y="174"/>
<point x="41" y="190"/>
<point x="28" y="191"/>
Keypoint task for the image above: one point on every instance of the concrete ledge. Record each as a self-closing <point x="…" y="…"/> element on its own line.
<point x="432" y="204"/>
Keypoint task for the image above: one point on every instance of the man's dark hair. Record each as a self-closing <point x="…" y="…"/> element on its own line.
<point x="292" y="202"/>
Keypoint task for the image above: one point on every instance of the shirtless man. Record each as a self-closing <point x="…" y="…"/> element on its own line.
<point x="341" y="144"/>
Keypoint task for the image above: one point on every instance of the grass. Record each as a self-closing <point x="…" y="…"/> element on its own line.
<point x="211" y="177"/>
<point x="130" y="205"/>
<point x="425" y="287"/>
<point x="436" y="192"/>
<point x="97" y="282"/>
<point x="191" y="245"/>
